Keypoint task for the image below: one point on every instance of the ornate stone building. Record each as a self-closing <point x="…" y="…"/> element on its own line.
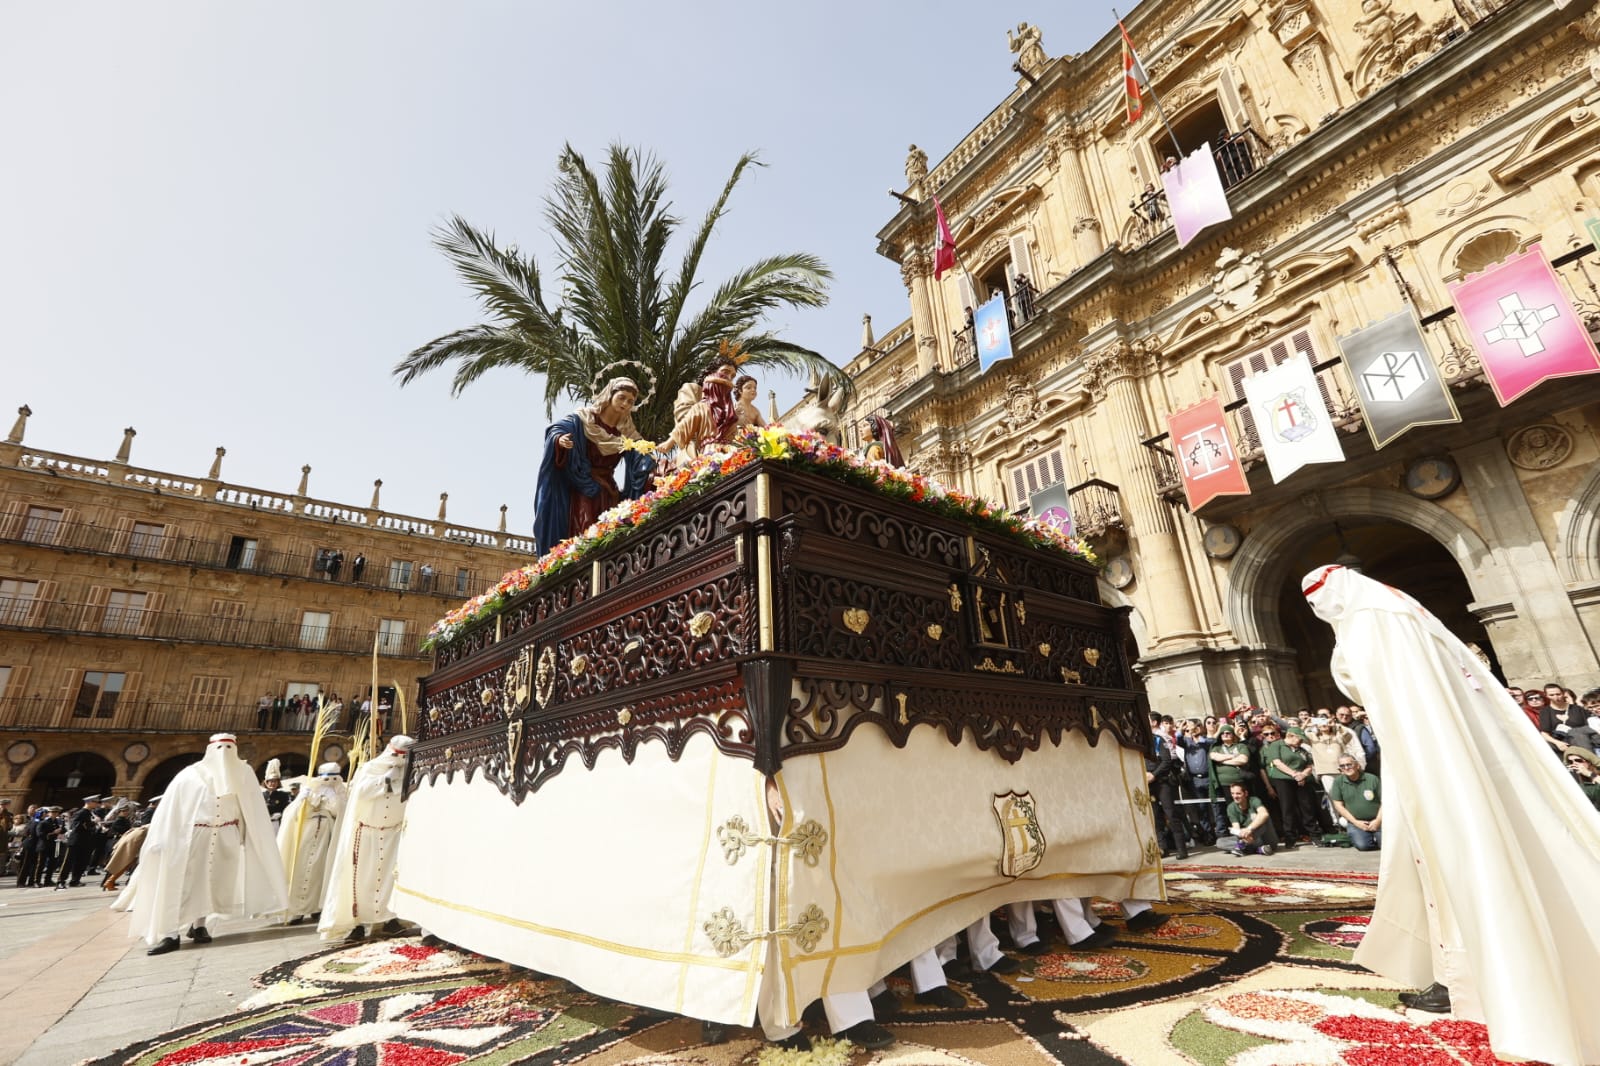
<point x="141" y="611"/>
<point x="1373" y="153"/>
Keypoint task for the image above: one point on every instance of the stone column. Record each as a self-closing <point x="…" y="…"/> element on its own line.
<point x="914" y="271"/>
<point x="1540" y="637"/>
<point x="1154" y="541"/>
<point x="1087" y="241"/>
<point x="21" y="425"/>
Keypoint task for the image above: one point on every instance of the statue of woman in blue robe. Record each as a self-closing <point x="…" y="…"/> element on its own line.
<point x="578" y="475"/>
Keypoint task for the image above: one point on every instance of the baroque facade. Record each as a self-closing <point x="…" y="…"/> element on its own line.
<point x="142" y="611"/>
<point x="1373" y="153"/>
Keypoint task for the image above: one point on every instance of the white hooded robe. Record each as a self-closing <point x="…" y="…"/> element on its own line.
<point x="1490" y="869"/>
<point x="362" y="874"/>
<point x="208" y="852"/>
<point x="306" y="841"/>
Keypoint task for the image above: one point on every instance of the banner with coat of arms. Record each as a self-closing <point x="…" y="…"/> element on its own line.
<point x="1294" y="424"/>
<point x="1206" y="456"/>
<point x="1522" y="325"/>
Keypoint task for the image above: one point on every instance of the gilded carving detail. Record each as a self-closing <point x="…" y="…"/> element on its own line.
<point x="701" y="623"/>
<point x="1071" y="677"/>
<point x="1091" y="656"/>
<point x="578" y="665"/>
<point x="517" y="691"/>
<point x="988" y="665"/>
<point x="935" y="631"/>
<point x="856" y="620"/>
<point x="544" y="678"/>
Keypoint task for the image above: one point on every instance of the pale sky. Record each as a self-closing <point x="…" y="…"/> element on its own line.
<point x="220" y="213"/>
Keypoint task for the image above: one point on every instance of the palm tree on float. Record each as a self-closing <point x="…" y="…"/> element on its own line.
<point x="618" y="313"/>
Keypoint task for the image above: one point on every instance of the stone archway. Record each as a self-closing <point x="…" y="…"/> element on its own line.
<point x="66" y="779"/>
<point x="161" y="774"/>
<point x="1262" y="564"/>
<point x="1578" y="551"/>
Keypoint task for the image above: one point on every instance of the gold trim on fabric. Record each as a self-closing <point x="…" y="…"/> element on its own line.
<point x="699" y="876"/>
<point x="756" y="960"/>
<point x="833" y="879"/>
<point x="653" y="954"/>
<point x="764" y="588"/>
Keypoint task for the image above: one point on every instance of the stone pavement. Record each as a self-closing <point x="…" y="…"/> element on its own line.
<point x="73" y="985"/>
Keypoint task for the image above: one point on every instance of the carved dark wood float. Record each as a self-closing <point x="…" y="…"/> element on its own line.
<point x="906" y="720"/>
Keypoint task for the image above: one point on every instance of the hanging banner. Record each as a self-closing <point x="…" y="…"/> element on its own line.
<point x="993" y="331"/>
<point x="1206" y="456"/>
<point x="1593" y="226"/>
<point x="1523" y="326"/>
<point x="1396" y="382"/>
<point x="1292" y="420"/>
<point x="1052" y="507"/>
<point x="1195" y="194"/>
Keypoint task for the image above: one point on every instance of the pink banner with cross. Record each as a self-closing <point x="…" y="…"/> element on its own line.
<point x="1522" y="325"/>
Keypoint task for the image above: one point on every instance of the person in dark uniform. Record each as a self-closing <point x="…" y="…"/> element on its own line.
<point x="81" y="842"/>
<point x="33" y="840"/>
<point x="273" y="792"/>
<point x="1164" y="773"/>
<point x="113" y="823"/>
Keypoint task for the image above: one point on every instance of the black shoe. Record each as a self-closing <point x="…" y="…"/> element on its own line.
<point x="168" y="943"/>
<point x="356" y="935"/>
<point x="1145" y="921"/>
<point x="885" y="1005"/>
<point x="199" y="934"/>
<point x="943" y="996"/>
<point x="393" y="927"/>
<point x="1038" y="947"/>
<point x="798" y="1042"/>
<point x="316" y="916"/>
<point x="431" y="941"/>
<point x="297" y="919"/>
<point x="713" y="1033"/>
<point x="1435" y="999"/>
<point x="869" y="1035"/>
<point x="60" y="885"/>
<point x="74" y="884"/>
<point x="1005" y="964"/>
<point x="957" y="969"/>
<point x="1103" y="934"/>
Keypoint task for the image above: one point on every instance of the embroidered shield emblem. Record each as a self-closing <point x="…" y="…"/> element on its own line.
<point x="1022" y="841"/>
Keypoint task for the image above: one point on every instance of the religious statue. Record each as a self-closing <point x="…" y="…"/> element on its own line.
<point x="577" y="478"/>
<point x="705" y="415"/>
<point x="745" y="390"/>
<point x="916" y="170"/>
<point x="878" y="443"/>
<point x="1026" y="42"/>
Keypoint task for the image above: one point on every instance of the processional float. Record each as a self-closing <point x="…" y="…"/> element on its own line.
<point x="773" y="743"/>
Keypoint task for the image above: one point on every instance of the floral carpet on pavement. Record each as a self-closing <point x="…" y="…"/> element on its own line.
<point x="1252" y="968"/>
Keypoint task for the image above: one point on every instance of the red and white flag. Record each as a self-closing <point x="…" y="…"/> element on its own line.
<point x="1523" y="326"/>
<point x="1206" y="456"/>
<point x="944" y="246"/>
<point x="1134" y="78"/>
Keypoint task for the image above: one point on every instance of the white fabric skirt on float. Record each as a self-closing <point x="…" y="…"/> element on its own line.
<point x="664" y="884"/>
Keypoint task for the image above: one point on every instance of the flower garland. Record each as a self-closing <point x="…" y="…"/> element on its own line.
<point x="773" y="443"/>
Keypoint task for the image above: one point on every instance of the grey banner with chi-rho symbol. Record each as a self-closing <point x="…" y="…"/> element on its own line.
<point x="1396" y="380"/>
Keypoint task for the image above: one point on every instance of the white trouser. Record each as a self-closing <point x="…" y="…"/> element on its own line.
<point x="847" y="1009"/>
<point x="1023" y="924"/>
<point x="927" y="972"/>
<point x="983" y="945"/>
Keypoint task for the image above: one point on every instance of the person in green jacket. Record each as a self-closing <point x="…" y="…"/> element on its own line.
<point x="1290" y="771"/>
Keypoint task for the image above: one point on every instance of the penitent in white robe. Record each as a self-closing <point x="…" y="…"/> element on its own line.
<point x="362" y="873"/>
<point x="208" y="853"/>
<point x="306" y="841"/>
<point x="1490" y="870"/>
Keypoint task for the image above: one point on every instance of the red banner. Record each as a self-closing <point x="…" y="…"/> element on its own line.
<point x="1523" y="326"/>
<point x="1206" y="455"/>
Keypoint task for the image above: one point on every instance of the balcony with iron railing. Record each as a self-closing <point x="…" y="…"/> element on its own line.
<point x="1096" y="508"/>
<point x="110" y="714"/>
<point x="212" y="554"/>
<point x="102" y="620"/>
<point x="1238" y="155"/>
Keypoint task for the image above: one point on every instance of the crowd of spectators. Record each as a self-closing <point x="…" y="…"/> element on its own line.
<point x="51" y="845"/>
<point x="1253" y="782"/>
<point x="299" y="712"/>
